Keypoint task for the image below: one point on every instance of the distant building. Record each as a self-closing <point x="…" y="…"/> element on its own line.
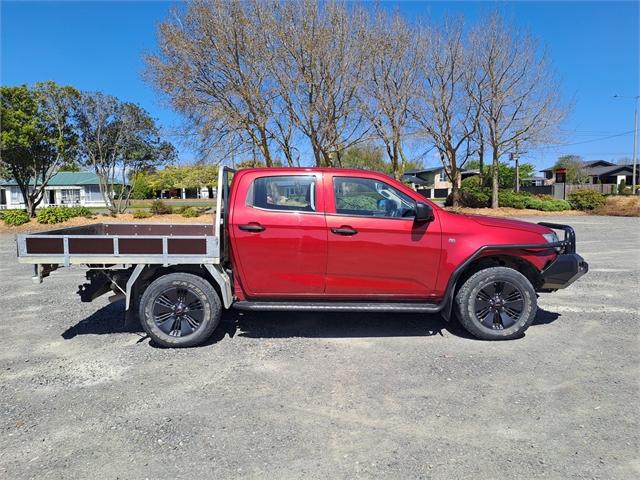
<point x="64" y="189"/>
<point x="597" y="171"/>
<point x="433" y="182"/>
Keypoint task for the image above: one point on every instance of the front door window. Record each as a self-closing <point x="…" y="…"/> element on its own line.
<point x="371" y="198"/>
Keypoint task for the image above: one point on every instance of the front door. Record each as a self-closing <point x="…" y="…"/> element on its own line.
<point x="280" y="235"/>
<point x="376" y="249"/>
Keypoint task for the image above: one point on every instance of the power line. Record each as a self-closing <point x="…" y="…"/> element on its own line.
<point x="594" y="139"/>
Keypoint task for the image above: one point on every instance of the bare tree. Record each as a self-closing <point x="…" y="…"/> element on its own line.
<point x="520" y="101"/>
<point x="445" y="112"/>
<point x="211" y="64"/>
<point x="317" y="63"/>
<point x="390" y="83"/>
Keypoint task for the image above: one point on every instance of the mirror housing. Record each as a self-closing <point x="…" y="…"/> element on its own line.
<point x="424" y="212"/>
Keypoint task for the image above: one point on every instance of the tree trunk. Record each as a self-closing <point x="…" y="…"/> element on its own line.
<point x="455" y="187"/>
<point x="481" y="162"/>
<point x="494" y="180"/>
<point x="397" y="173"/>
<point x="264" y="146"/>
<point x="31" y="207"/>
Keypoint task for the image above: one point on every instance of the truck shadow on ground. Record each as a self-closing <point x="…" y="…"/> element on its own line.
<point x="110" y="319"/>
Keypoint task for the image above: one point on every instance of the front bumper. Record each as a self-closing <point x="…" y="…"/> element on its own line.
<point x="563" y="271"/>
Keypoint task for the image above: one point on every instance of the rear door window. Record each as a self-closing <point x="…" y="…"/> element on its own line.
<point x="287" y="192"/>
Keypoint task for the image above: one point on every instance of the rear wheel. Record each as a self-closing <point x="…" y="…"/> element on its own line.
<point x="497" y="303"/>
<point x="180" y="310"/>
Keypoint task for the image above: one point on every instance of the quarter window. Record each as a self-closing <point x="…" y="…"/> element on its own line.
<point x="292" y="193"/>
<point x="369" y="197"/>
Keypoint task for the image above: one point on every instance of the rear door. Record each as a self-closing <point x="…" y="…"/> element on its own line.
<point x="376" y="250"/>
<point x="279" y="234"/>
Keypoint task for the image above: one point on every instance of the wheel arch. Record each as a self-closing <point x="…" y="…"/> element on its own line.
<point x="213" y="274"/>
<point x="514" y="262"/>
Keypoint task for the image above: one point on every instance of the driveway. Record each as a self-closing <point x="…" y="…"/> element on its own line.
<point x="326" y="395"/>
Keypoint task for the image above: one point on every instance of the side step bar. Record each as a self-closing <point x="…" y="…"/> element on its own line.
<point x="340" y="306"/>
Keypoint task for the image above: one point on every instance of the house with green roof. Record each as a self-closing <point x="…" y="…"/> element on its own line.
<point x="64" y="189"/>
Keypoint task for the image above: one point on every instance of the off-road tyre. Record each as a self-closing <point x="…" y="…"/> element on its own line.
<point x="180" y="310"/>
<point x="502" y="316"/>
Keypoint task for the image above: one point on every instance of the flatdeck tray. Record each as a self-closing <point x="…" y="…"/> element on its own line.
<point x="115" y="243"/>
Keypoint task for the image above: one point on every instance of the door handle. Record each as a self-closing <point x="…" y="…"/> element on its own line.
<point x="347" y="231"/>
<point x="252" y="227"/>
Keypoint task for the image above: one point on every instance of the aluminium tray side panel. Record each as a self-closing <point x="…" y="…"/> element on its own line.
<point x="122" y="244"/>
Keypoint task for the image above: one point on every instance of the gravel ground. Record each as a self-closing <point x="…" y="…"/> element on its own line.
<point x="326" y="396"/>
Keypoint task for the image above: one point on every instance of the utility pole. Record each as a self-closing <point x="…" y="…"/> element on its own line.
<point x="635" y="140"/>
<point x="515" y="157"/>
<point x="635" y="147"/>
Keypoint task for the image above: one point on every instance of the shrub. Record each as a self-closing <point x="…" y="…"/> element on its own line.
<point x="158" y="207"/>
<point x="472" y="194"/>
<point x="190" y="212"/>
<point x="508" y="198"/>
<point x="554" y="205"/>
<point x="623" y="189"/>
<point x="51" y="215"/>
<point x="142" y="214"/>
<point x="79" y="212"/>
<point x="358" y="202"/>
<point x="15" y="217"/>
<point x="586" y="199"/>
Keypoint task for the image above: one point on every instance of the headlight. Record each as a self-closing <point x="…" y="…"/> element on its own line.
<point x="552" y="238"/>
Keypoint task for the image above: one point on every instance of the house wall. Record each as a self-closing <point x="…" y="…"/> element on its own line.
<point x="85" y="195"/>
<point x="441" y="180"/>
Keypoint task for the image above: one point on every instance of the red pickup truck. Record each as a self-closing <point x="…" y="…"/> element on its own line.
<point x="312" y="239"/>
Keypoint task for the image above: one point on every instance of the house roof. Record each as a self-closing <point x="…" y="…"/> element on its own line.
<point x="64" y="179"/>
<point x="418" y="176"/>
<point x="422" y="171"/>
<point x="589" y="164"/>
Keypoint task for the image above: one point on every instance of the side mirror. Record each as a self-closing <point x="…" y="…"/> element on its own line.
<point x="424" y="212"/>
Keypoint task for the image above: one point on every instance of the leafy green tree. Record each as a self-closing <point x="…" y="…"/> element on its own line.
<point x="367" y="158"/>
<point x="142" y="186"/>
<point x="118" y="140"/>
<point x="372" y="157"/>
<point x="37" y="135"/>
<point x="183" y="176"/>
<point x="574" y="165"/>
<point x="506" y="173"/>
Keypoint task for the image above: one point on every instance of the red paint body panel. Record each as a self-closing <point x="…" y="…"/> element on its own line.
<point x="288" y="258"/>
<point x="298" y="256"/>
<point x="387" y="258"/>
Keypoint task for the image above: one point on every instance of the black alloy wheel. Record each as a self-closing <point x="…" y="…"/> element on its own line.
<point x="499" y="305"/>
<point x="496" y="303"/>
<point x="178" y="312"/>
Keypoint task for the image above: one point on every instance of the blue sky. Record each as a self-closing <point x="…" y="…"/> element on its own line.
<point x="99" y="46"/>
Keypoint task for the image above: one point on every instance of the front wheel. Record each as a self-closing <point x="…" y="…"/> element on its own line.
<point x="180" y="310"/>
<point x="496" y="303"/>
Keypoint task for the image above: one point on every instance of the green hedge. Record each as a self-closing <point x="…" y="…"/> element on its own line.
<point x="158" y="207"/>
<point x="586" y="199"/>
<point x="15" y="217"/>
<point x="358" y="202"/>
<point x="190" y="212"/>
<point x="472" y="195"/>
<point x="50" y="215"/>
<point x="142" y="214"/>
